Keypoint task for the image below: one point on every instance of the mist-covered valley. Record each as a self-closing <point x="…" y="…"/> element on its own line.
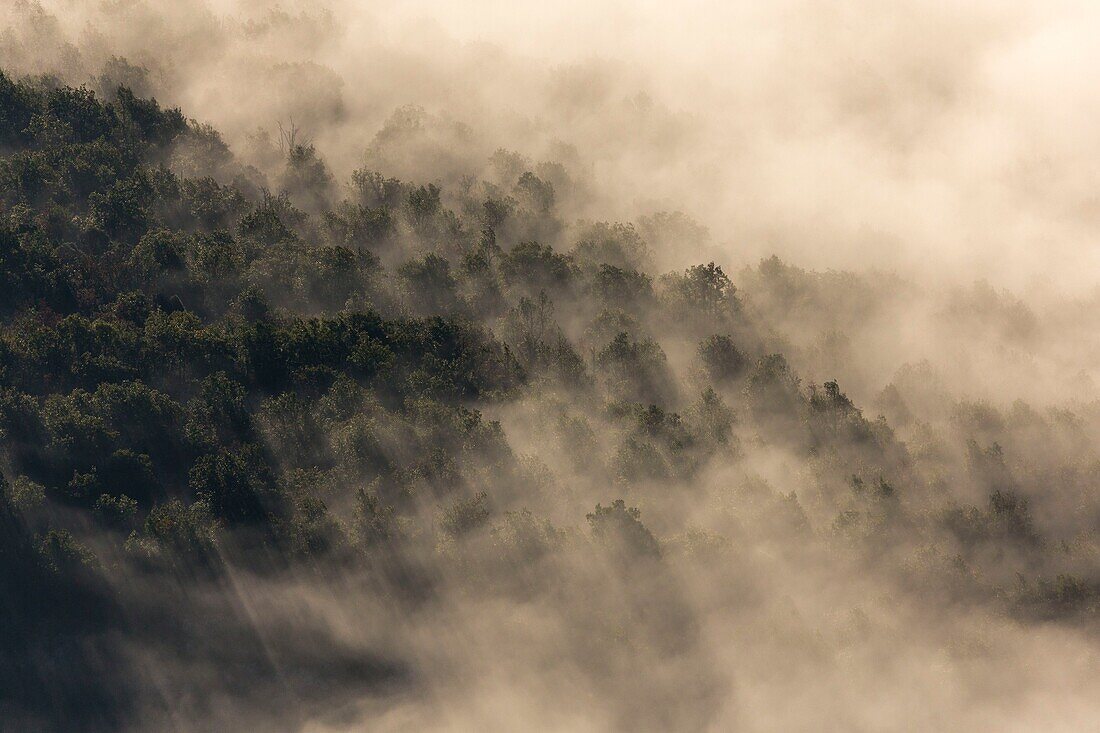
<point x="434" y="366"/>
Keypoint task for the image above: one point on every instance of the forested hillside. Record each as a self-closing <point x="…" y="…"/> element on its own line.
<point x="287" y="452"/>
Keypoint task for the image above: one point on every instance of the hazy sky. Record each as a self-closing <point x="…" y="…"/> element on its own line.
<point x="949" y="140"/>
<point x="915" y="134"/>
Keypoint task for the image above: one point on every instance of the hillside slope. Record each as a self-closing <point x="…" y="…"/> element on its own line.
<point x="292" y="453"/>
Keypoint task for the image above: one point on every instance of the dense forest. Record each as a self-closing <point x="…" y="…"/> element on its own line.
<point x="280" y="451"/>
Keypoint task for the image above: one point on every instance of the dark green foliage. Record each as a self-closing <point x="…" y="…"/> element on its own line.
<point x="661" y="445"/>
<point x="833" y="417"/>
<point x="771" y="385"/>
<point x="538" y="341"/>
<point x="532" y="267"/>
<point x="358" y="226"/>
<point x="618" y="245"/>
<point x="722" y="361"/>
<point x="618" y="528"/>
<point x="466" y="515"/>
<point x="374" y="190"/>
<point x="306" y="178"/>
<point x="710" y="420"/>
<point x="62" y="554"/>
<point x="178" y="537"/>
<point x="619" y="288"/>
<point x="237" y="485"/>
<point x="431" y="286"/>
<point x="373" y="522"/>
<point x="480" y="285"/>
<point x="702" y="292"/>
<point x="635" y="371"/>
<point x="527" y="537"/>
<point x="423" y="203"/>
<point x="534" y="193"/>
<point x="1007" y="520"/>
<point x="18" y="105"/>
<point x="116" y="511"/>
<point x="1010" y="516"/>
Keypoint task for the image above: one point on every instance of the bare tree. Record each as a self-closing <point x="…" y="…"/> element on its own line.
<point x="289" y="137"/>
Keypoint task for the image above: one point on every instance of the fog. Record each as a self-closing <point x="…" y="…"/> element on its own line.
<point x="951" y="141"/>
<point x="903" y="197"/>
